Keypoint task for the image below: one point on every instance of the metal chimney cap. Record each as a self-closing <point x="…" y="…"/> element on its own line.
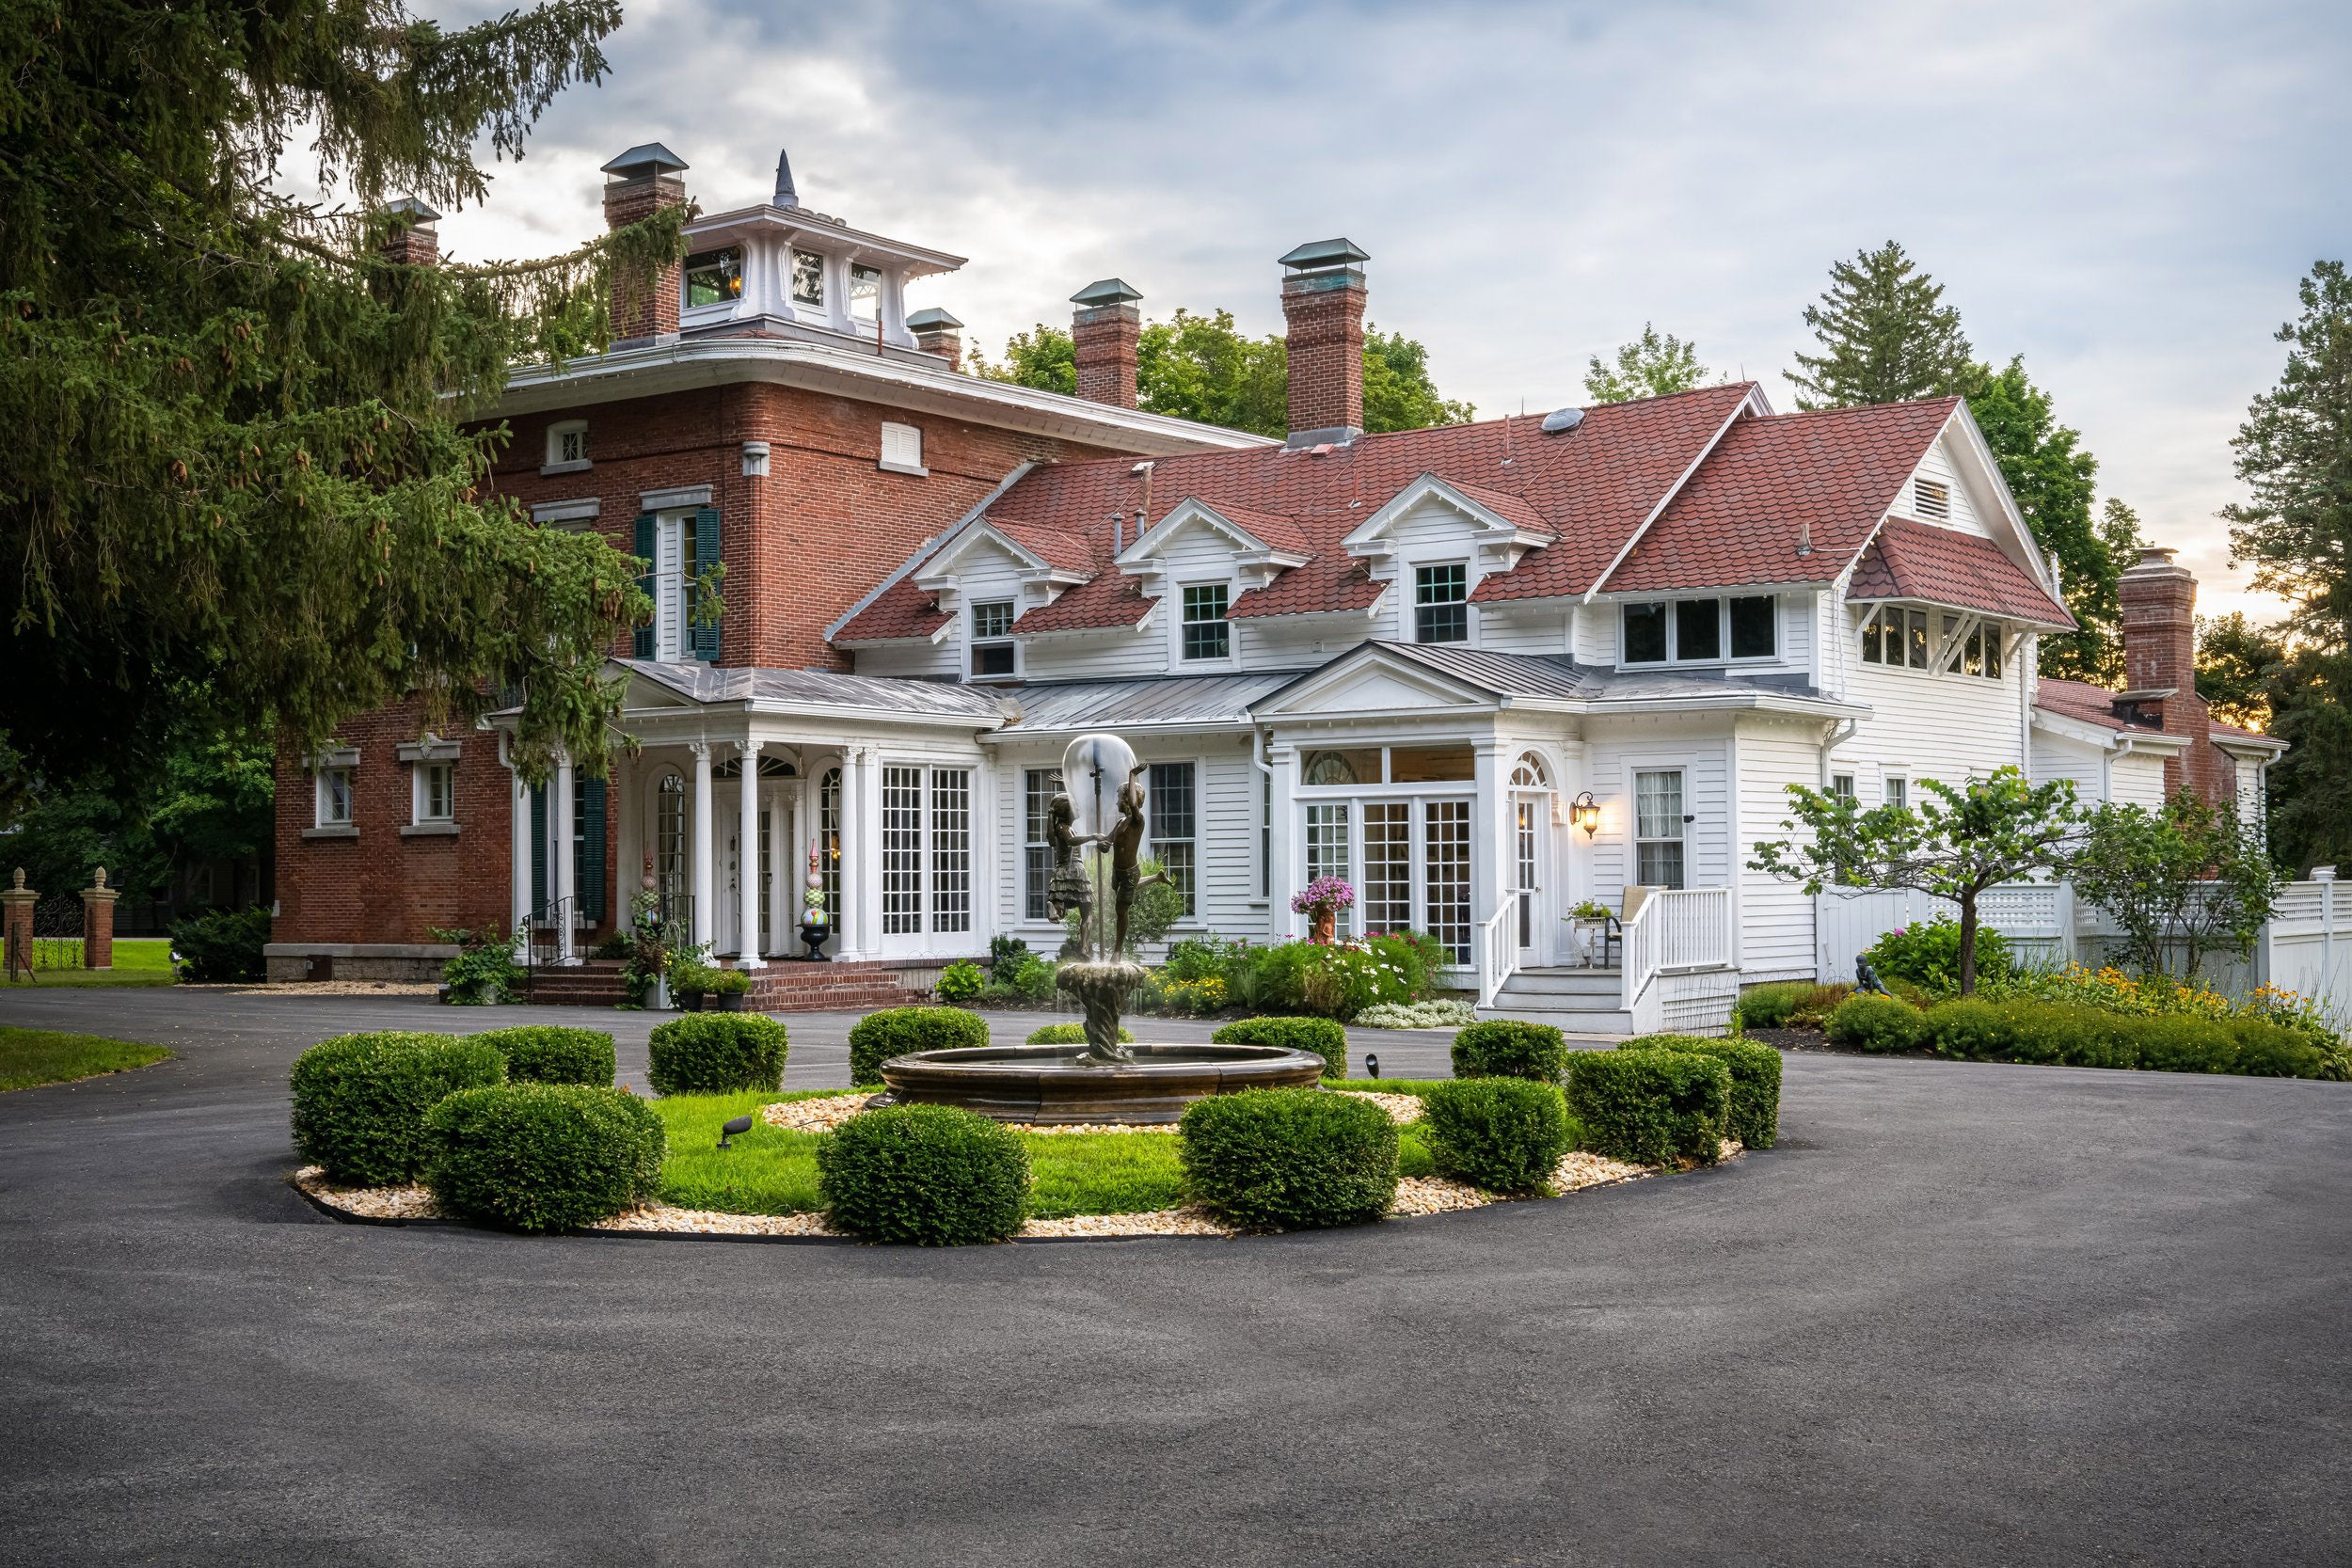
<point x="645" y="158"/>
<point x="414" y="210"/>
<point x="931" y="320"/>
<point x="1109" y="290"/>
<point x="1326" y="253"/>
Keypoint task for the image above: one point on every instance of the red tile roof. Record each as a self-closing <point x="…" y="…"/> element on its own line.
<point x="1058" y="548"/>
<point x="900" y="611"/>
<point x="1941" y="566"/>
<point x="1772" y="484"/>
<point x="2079" y="700"/>
<point x="1330" y="581"/>
<point x="1268" y="529"/>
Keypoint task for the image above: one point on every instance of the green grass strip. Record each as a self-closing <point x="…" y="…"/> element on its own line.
<point x="29" y="1057"/>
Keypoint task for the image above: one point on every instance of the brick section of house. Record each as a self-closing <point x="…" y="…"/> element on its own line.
<point x="1104" y="338"/>
<point x="2159" y="606"/>
<point x="647" y="309"/>
<point x="1325" y="313"/>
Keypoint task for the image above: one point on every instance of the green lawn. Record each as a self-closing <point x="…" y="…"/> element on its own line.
<point x="31" y="1057"/>
<point x="138" y="961"/>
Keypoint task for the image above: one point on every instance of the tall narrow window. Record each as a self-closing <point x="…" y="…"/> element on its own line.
<point x="1699" y="629"/>
<point x="951" y="849"/>
<point x="1441" y="604"/>
<point x="334" y="798"/>
<point x="1657" y="826"/>
<point x="1038" y="785"/>
<point x="1266" y="837"/>
<point x="1328" y="846"/>
<point x="808" y="278"/>
<point x="829" y="841"/>
<point x="1527" y="886"/>
<point x="1175" y="830"/>
<point x="1874" y="627"/>
<point x="1446" y="874"/>
<point x="865" y="292"/>
<point x="1898" y="792"/>
<point x="437" y="791"/>
<point x="767" y="881"/>
<point x="1388" y="892"/>
<point x="902" y="850"/>
<point x="991" y="638"/>
<point x="669" y="836"/>
<point x="676" y="569"/>
<point x="1207" y="633"/>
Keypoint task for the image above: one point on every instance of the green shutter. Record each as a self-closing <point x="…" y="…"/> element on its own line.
<point x="590" y="874"/>
<point x="643" y="648"/>
<point x="538" y="847"/>
<point x="705" y="556"/>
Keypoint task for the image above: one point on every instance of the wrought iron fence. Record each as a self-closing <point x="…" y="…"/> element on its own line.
<point x="57" y="931"/>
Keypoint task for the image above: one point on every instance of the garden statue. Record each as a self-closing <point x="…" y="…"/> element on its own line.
<point x="1068" y="887"/>
<point x="1104" y="797"/>
<point x="1127" y="856"/>
<point x="1867" y="978"/>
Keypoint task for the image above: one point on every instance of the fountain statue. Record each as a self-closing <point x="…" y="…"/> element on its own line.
<point x="1095" y="829"/>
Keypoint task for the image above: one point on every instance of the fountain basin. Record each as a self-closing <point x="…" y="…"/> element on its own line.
<point x="1047" y="1083"/>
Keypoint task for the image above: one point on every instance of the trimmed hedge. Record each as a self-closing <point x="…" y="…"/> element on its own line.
<point x="551" y="1053"/>
<point x="1071" y="1034"/>
<point x="1507" y="1048"/>
<point x="360" y="1101"/>
<point x="898" y="1031"/>
<point x="1290" y="1159"/>
<point x="1874" y="1023"/>
<point x="1977" y="1029"/>
<point x="1755" y="1115"/>
<point x="717" y="1053"/>
<point x="932" y="1174"/>
<point x="1651" y="1107"/>
<point x="544" y="1156"/>
<point x="1504" y="1135"/>
<point x="1321" y="1036"/>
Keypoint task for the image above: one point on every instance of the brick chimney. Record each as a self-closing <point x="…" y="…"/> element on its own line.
<point x="1323" y="300"/>
<point x="2159" y="614"/>
<point x="1106" y="329"/>
<point x="642" y="181"/>
<point x="412" y="241"/>
<point x="937" y="332"/>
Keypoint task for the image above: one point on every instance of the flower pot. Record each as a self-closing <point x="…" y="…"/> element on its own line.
<point x="726" y="1001"/>
<point x="1326" y="924"/>
<point x="657" y="999"/>
<point x="814" y="933"/>
<point x="689" y="1002"/>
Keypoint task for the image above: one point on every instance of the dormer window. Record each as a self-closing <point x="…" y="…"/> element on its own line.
<point x="1933" y="500"/>
<point x="1441" y="604"/>
<point x="1698" y="631"/>
<point x="991" y="638"/>
<point x="865" y="292"/>
<point x="714" y="278"/>
<point x="567" y="446"/>
<point x="1207" y="633"/>
<point x="808" y="278"/>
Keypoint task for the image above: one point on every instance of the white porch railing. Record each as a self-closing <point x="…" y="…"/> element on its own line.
<point x="1498" y="952"/>
<point x="1673" y="932"/>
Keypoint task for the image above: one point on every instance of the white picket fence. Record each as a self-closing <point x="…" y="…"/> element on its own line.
<point x="2307" y="946"/>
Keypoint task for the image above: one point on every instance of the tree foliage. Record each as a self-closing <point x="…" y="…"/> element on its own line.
<point x="2189" y="878"/>
<point x="2294" y="457"/>
<point x="2237" y="662"/>
<point x="1203" y="368"/>
<point x="1955" y="843"/>
<point x="2311" y="788"/>
<point x="1885" y="335"/>
<point x="251" y="485"/>
<point x="1651" y="366"/>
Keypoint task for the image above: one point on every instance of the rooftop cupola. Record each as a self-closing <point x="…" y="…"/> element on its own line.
<point x="1323" y="302"/>
<point x="1105" y="331"/>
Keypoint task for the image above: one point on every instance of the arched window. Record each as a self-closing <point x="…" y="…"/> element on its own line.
<point x="1531" y="773"/>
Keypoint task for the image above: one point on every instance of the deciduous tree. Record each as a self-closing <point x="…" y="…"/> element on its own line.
<point x="1651" y="366"/>
<point x="2186" y="879"/>
<point x="2237" y="662"/>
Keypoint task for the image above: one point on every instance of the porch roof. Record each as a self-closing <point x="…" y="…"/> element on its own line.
<point x="1147" y="702"/>
<point x="1559" y="682"/>
<point x="801" y="690"/>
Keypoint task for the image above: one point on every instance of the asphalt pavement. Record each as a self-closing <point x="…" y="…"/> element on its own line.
<point x="1962" y="1314"/>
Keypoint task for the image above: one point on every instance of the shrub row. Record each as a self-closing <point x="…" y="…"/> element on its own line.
<point x="1974" y="1029"/>
<point x="360" y="1101"/>
<point x="1753" y="1113"/>
<point x="717" y="1053"/>
<point x="551" y="1053"/>
<point x="900" y="1031"/>
<point x="1504" y="1135"/>
<point x="1317" y="1036"/>
<point x="1651" y="1106"/>
<point x="930" y="1174"/>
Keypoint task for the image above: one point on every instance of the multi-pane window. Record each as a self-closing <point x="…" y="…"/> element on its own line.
<point x="1441" y="604"/>
<point x="1841" y="789"/>
<point x="1698" y="631"/>
<point x="1327" y="846"/>
<point x="1207" y="633"/>
<point x="1898" y="792"/>
<point x="1525" y="836"/>
<point x="437" y="791"/>
<point x="829" y="841"/>
<point x="991" y="638"/>
<point x="567" y="443"/>
<point x="678" y="573"/>
<point x="334" y="798"/>
<point x="1175" y="832"/>
<point x="767" y="882"/>
<point x="1908" y="639"/>
<point x="951" y="849"/>
<point x="1266" y="837"/>
<point x="1386" y="895"/>
<point x="1038" y="785"/>
<point x="1446" y="874"/>
<point x="808" y="278"/>
<point x="1657" y="826"/>
<point x="865" y="292"/>
<point x="1977" y="653"/>
<point x="902" y="850"/>
<point x="714" y="278"/>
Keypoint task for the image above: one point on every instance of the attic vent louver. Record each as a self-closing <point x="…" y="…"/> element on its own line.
<point x="1562" y="420"/>
<point x="1933" y="500"/>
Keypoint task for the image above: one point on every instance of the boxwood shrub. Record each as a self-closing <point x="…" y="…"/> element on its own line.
<point x="1651" y="1106"/>
<point x="1504" y="1135"/>
<point x="1755" y="1115"/>
<point x="1070" y="1034"/>
<point x="932" y="1174"/>
<point x="1874" y="1023"/>
<point x="551" y="1053"/>
<point x="1768" y="1006"/>
<point x="1289" y="1159"/>
<point x="542" y="1156"/>
<point x="1322" y="1037"/>
<point x="897" y="1031"/>
<point x="360" y="1101"/>
<point x="717" y="1053"/>
<point x="1507" y="1048"/>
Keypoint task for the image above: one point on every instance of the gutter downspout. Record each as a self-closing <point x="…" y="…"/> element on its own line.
<point x="1837" y="735"/>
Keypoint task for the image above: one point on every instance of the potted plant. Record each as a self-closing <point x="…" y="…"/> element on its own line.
<point x="1590" y="921"/>
<point x="724" y="989"/>
<point x="689" y="978"/>
<point x="1320" y="902"/>
<point x="815" y="927"/>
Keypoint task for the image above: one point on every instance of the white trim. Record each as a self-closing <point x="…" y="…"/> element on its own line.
<point x="431" y="749"/>
<point x="1143" y="555"/>
<point x="584" y="510"/>
<point x="674" y="498"/>
<point x="1366" y="537"/>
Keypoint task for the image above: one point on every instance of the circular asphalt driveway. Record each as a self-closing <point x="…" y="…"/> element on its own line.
<point x="1962" y="1314"/>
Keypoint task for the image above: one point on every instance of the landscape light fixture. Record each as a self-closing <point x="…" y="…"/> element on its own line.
<point x="1585" y="814"/>
<point x="739" y="1125"/>
<point x="1371" y="1065"/>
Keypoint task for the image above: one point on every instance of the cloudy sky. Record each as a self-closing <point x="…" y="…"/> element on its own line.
<point x="2123" y="194"/>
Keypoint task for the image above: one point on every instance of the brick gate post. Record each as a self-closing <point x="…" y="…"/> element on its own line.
<point x="16" y="924"/>
<point x="98" y="924"/>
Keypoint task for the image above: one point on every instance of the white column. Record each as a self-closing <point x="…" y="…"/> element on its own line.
<point x="866" y="876"/>
<point x="519" y="847"/>
<point x="747" y="856"/>
<point x="703" y="874"/>
<point x="559" y="866"/>
<point x="1489" y="831"/>
<point x="1281" y="841"/>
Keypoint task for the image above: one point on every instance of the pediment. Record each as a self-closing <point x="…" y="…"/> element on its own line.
<point x="1372" y="684"/>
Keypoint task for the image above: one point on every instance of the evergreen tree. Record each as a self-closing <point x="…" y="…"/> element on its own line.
<point x="1885" y="335"/>
<point x="1652" y="366"/>
<point x="2236" y="662"/>
<point x="241" y="475"/>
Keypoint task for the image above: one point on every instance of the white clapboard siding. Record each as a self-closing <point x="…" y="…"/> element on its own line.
<point x="1775" y="915"/>
<point x="2137" y="780"/>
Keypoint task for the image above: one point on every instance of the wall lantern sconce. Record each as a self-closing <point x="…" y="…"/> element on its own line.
<point x="1585" y="814"/>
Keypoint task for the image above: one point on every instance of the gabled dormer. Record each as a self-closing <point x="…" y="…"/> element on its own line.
<point x="1500" y="527"/>
<point x="1257" y="546"/>
<point x="988" y="556"/>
